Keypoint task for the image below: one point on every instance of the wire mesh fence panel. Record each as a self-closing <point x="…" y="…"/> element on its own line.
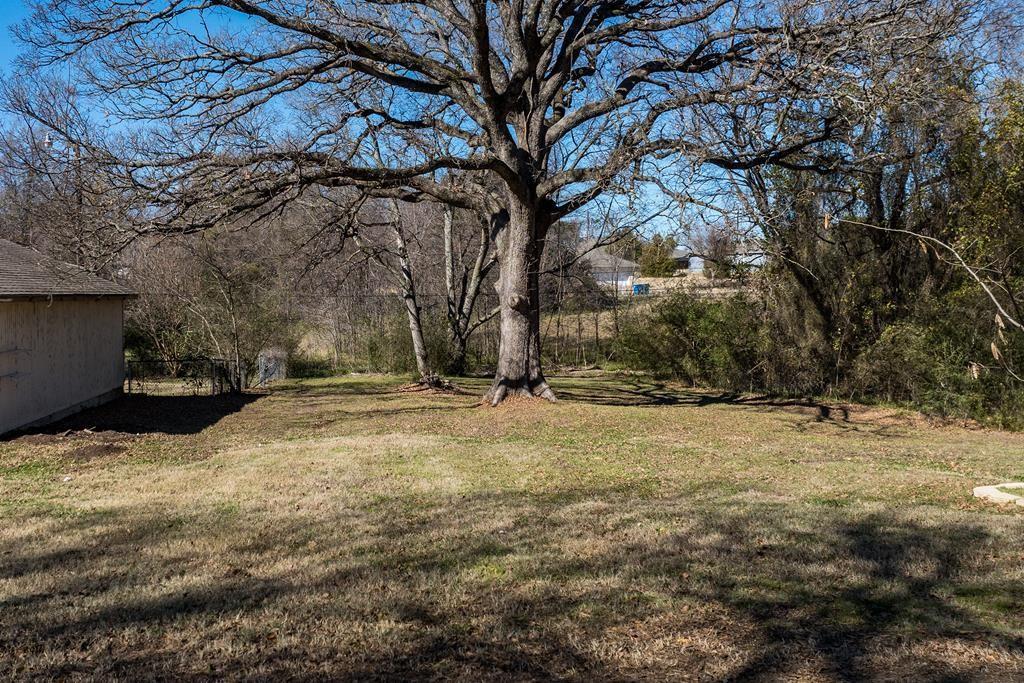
<point x="270" y="366"/>
<point x="180" y="377"/>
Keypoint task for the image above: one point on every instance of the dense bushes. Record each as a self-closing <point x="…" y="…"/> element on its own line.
<point x="861" y="290"/>
<point x="943" y="361"/>
<point x="712" y="343"/>
<point x="939" y="360"/>
<point x="304" y="366"/>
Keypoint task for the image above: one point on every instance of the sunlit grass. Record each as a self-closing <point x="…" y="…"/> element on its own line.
<point x="351" y="528"/>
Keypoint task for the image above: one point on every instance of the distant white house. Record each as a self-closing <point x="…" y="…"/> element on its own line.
<point x="620" y="274"/>
<point x="61" y="338"/>
<point x="608" y="270"/>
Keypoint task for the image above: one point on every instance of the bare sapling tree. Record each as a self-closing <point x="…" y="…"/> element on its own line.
<point x="466" y="269"/>
<point x="422" y="251"/>
<point x="559" y="102"/>
<point x="391" y="252"/>
<point x="467" y="261"/>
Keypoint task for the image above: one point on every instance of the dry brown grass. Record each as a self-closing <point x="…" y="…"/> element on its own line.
<point x="343" y="529"/>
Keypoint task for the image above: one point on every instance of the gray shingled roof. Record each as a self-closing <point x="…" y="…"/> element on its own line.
<point x="601" y="261"/>
<point x="27" y="274"/>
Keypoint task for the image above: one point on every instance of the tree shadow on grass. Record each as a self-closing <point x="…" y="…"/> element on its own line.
<point x="636" y="393"/>
<point x="141" y="414"/>
<point x="510" y="586"/>
<point x="900" y="598"/>
<point x="633" y="392"/>
<point x="324" y="411"/>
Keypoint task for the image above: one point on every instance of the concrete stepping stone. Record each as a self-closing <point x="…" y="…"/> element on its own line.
<point x="993" y="494"/>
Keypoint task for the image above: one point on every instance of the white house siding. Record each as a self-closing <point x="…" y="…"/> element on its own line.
<point x="620" y="282"/>
<point x="58" y="356"/>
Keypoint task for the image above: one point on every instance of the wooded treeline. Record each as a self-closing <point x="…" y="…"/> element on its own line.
<point x="405" y="186"/>
<point x="899" y="280"/>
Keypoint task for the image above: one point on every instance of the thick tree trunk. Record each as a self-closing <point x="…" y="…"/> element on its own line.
<point x="519" y="365"/>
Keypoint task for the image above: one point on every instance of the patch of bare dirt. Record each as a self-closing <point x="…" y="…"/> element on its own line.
<point x="38" y="439"/>
<point x="518" y="403"/>
<point x="898" y="417"/>
<point x="888" y="417"/>
<point x="54" y="438"/>
<point x="95" y="451"/>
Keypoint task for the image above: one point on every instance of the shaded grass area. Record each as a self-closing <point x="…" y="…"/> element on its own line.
<point x="346" y="529"/>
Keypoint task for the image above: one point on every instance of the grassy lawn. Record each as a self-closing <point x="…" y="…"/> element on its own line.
<point x="347" y="529"/>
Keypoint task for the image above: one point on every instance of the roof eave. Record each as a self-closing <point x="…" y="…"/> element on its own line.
<point x="10" y="298"/>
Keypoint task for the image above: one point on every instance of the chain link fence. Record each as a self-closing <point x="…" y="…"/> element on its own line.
<point x="182" y="377"/>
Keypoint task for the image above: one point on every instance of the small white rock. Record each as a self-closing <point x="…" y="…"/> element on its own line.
<point x="992" y="493"/>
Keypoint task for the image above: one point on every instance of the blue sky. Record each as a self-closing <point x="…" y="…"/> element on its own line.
<point x="11" y="12"/>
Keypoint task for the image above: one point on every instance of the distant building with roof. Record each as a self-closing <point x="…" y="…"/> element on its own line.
<point x="608" y="270"/>
<point x="61" y="338"/>
<point x="614" y="272"/>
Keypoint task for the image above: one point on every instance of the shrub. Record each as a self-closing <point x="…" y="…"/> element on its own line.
<point x="301" y="366"/>
<point x="941" y="362"/>
<point x="938" y="360"/>
<point x="705" y="342"/>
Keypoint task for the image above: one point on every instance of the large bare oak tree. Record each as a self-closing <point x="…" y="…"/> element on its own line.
<point x="233" y="106"/>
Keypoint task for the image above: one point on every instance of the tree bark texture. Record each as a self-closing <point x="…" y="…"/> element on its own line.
<point x="520" y="246"/>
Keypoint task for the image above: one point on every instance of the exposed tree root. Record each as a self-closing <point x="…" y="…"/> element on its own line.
<point x="435" y="383"/>
<point x="504" y="389"/>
